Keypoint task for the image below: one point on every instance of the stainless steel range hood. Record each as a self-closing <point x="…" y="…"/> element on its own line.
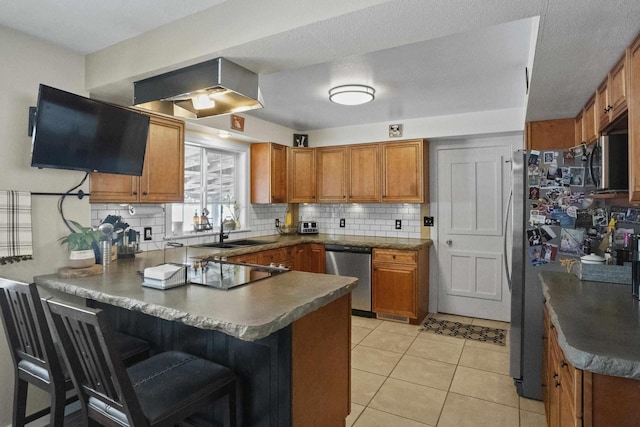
<point x="232" y="89"/>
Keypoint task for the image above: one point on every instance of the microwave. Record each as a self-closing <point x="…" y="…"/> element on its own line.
<point x="609" y="163"/>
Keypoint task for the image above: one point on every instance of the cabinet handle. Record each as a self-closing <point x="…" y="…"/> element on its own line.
<point x="557" y="383"/>
<point x="563" y="363"/>
<point x="144" y="193"/>
<point x="555" y="375"/>
<point x="135" y="193"/>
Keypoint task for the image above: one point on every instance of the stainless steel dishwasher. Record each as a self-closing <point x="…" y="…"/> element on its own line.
<point x="353" y="261"/>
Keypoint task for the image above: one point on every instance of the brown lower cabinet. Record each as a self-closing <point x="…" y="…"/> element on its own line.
<point x="307" y="257"/>
<point x="400" y="283"/>
<point x="573" y="397"/>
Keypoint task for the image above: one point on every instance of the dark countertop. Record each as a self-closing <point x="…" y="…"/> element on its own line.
<point x="247" y="312"/>
<point x="598" y="323"/>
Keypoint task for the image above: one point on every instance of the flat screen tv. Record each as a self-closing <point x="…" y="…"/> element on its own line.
<point x="78" y="133"/>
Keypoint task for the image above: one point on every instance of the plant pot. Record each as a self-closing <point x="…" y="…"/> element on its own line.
<point x="82" y="259"/>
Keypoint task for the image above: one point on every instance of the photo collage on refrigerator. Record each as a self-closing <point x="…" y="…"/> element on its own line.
<point x="563" y="218"/>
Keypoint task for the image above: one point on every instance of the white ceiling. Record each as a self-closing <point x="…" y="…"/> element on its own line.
<point x="424" y="58"/>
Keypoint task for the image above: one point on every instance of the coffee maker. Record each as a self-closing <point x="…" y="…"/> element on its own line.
<point x="635" y="266"/>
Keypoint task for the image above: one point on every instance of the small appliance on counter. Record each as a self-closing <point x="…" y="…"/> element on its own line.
<point x="307" y="227"/>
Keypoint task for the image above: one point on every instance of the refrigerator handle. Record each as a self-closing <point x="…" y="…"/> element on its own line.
<point x="504" y="239"/>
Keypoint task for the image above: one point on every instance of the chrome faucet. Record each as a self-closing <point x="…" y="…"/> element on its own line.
<point x="222" y="233"/>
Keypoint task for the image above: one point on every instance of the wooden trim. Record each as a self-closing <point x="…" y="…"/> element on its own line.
<point x="587" y="399"/>
<point x="321" y="371"/>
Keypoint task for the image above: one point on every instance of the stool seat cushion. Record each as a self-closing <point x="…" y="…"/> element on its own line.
<point x="165" y="383"/>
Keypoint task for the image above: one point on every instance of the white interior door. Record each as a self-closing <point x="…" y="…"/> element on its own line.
<point x="473" y="189"/>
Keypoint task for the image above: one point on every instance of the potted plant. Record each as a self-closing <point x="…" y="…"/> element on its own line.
<point x="80" y="244"/>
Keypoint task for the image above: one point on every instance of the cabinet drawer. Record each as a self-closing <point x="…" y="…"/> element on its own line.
<point x="394" y="256"/>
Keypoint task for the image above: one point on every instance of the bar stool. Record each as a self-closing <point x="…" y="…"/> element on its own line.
<point x="160" y="391"/>
<point x="35" y="356"/>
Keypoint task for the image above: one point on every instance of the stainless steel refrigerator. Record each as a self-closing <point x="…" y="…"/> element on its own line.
<point x="548" y="194"/>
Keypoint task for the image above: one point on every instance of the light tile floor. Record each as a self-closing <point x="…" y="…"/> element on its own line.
<point x="404" y="377"/>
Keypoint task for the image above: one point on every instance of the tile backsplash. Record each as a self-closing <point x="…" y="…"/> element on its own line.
<point x="360" y="220"/>
<point x="375" y="220"/>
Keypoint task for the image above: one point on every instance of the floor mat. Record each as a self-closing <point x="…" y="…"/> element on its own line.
<point x="462" y="330"/>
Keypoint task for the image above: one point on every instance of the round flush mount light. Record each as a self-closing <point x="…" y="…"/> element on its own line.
<point x="352" y="94"/>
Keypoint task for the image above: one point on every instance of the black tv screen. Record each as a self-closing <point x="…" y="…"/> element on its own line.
<point x="78" y="133"/>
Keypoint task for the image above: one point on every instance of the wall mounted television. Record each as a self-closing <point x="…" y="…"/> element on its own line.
<point x="78" y="133"/>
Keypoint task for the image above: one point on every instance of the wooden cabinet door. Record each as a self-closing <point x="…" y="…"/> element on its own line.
<point x="112" y="188"/>
<point x="162" y="179"/>
<point x="602" y="105"/>
<point x="618" y="88"/>
<point x="332" y="174"/>
<point x="578" y="130"/>
<point x="278" y="181"/>
<point x="393" y="289"/>
<point x="300" y="257"/>
<point x="364" y="173"/>
<point x="550" y="134"/>
<point x="246" y="259"/>
<point x="402" y="172"/>
<point x="589" y="126"/>
<point x="302" y="175"/>
<point x="633" y="101"/>
<point x="268" y="173"/>
<point x="316" y="258"/>
<point x="270" y="256"/>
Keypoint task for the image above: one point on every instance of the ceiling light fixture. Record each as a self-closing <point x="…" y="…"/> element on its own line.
<point x="202" y="102"/>
<point x="351" y="94"/>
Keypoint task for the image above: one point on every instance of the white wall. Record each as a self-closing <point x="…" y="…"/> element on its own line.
<point x="26" y="62"/>
<point x="453" y="126"/>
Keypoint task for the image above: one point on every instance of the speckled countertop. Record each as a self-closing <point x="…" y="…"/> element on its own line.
<point x="598" y="323"/>
<point x="278" y="241"/>
<point x="247" y="312"/>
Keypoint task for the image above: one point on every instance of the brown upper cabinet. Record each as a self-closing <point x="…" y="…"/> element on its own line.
<point x="551" y="134"/>
<point x="589" y="125"/>
<point x="302" y="175"/>
<point x="404" y="178"/>
<point x="332" y="174"/>
<point x="611" y="97"/>
<point x="268" y="173"/>
<point x="162" y="179"/>
<point x="364" y="173"/>
<point x="356" y="173"/>
<point x="578" y="130"/>
<point x="633" y="101"/>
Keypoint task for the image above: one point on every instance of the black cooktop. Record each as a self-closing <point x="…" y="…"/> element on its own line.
<point x="228" y="275"/>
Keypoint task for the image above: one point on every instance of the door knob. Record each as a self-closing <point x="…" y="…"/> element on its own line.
<point x="449" y="242"/>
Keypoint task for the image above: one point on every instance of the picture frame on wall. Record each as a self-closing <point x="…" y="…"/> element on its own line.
<point x="237" y="122"/>
<point x="395" y="131"/>
<point x="300" y="140"/>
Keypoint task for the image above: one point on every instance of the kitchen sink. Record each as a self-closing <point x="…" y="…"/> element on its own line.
<point x="232" y="244"/>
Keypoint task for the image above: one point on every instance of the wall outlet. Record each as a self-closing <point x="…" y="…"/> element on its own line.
<point x="277" y="223"/>
<point x="428" y="221"/>
<point x="398" y="224"/>
<point x="342" y="223"/>
<point x="148" y="235"/>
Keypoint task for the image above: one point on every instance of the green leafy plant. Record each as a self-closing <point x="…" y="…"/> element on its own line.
<point x="81" y="240"/>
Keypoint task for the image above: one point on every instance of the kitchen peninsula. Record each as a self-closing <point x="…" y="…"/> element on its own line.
<point x="592" y="357"/>
<point x="287" y="337"/>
